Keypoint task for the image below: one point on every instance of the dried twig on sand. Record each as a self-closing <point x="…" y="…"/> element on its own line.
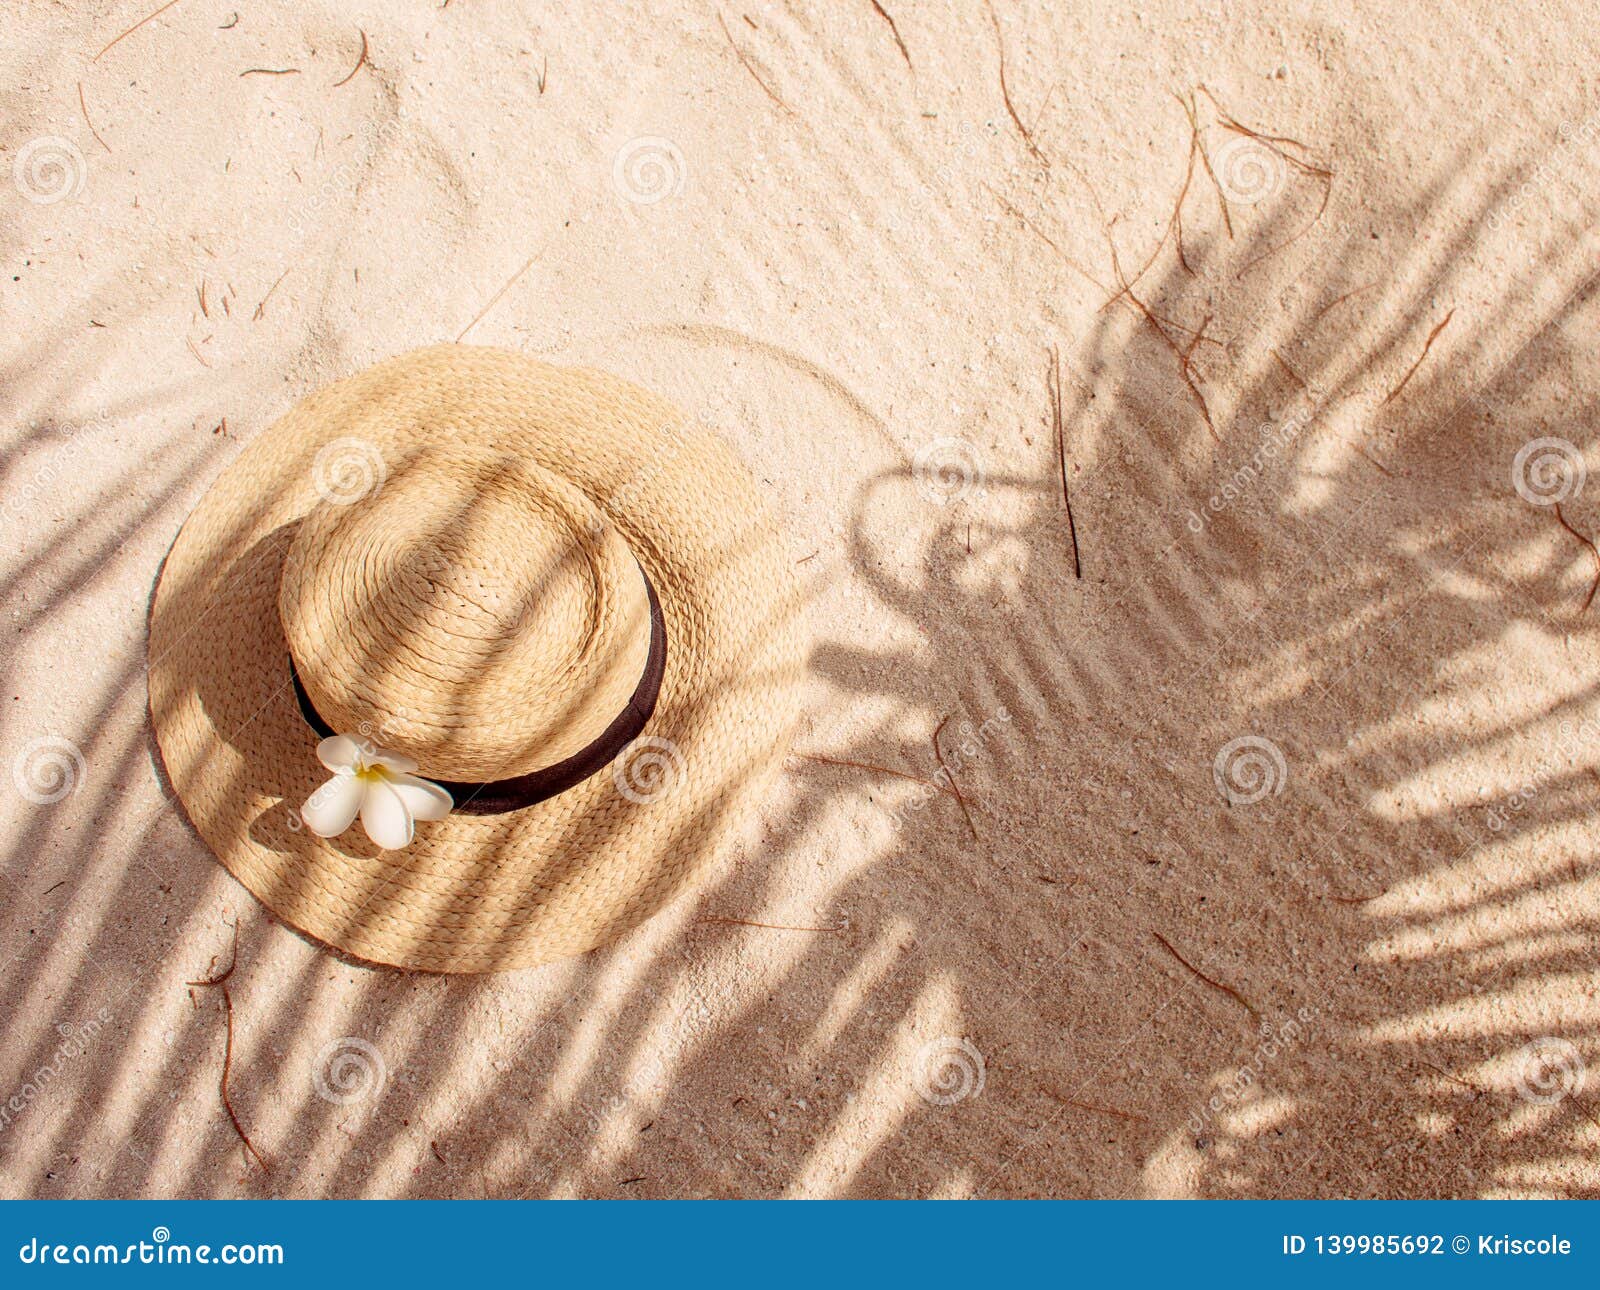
<point x="961" y="801"/>
<point x="261" y="309"/>
<point x="85" y="106"/>
<point x="1005" y="91"/>
<point x="1273" y="142"/>
<point x="1354" y="900"/>
<point x="1214" y="984"/>
<point x="1057" y="422"/>
<point x="889" y="18"/>
<point x="1334" y="304"/>
<point x="1096" y="1107"/>
<point x="775" y="927"/>
<point x="270" y="71"/>
<point x="494" y="299"/>
<point x="1045" y="238"/>
<point x="1270" y="140"/>
<point x="751" y="67"/>
<point x="1205" y="160"/>
<point x="1412" y="370"/>
<point x="360" y="63"/>
<point x="1174" y="224"/>
<point x="1373" y="460"/>
<point x="1288" y="371"/>
<point x="148" y="18"/>
<point x="876" y="770"/>
<point x="1157" y="324"/>
<point x="1593" y="551"/>
<point x="220" y="981"/>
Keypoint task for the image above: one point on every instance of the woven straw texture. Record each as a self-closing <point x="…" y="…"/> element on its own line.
<point x="518" y="497"/>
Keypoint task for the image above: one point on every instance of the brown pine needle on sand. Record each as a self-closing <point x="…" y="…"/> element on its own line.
<point x="1334" y="304"/>
<point x="1288" y="371"/>
<point x="1053" y="379"/>
<point x="1098" y="1109"/>
<point x="1364" y="453"/>
<point x="148" y="18"/>
<point x="220" y="981"/>
<point x="751" y="67"/>
<point x="360" y="63"/>
<point x="1272" y="143"/>
<point x="876" y="770"/>
<point x="261" y="309"/>
<point x="495" y="299"/>
<point x="85" y="106"/>
<point x="1214" y="984"/>
<point x="1044" y="237"/>
<point x="1205" y="160"/>
<point x="1174" y="223"/>
<point x="961" y="801"/>
<point x="773" y="927"/>
<point x="1412" y="370"/>
<point x="889" y="18"/>
<point x="1005" y="90"/>
<point x="1594" y="551"/>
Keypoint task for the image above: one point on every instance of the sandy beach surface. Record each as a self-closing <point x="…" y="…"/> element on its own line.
<point x="1273" y="870"/>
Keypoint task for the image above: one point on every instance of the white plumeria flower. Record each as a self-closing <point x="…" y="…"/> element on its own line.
<point x="376" y="784"/>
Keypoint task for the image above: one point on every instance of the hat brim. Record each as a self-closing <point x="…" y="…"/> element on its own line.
<point x="476" y="893"/>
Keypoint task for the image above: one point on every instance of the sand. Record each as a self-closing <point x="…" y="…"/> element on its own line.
<point x="1353" y="955"/>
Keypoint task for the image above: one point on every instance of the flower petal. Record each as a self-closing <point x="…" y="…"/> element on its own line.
<point x="390" y="761"/>
<point x="339" y="752"/>
<point x="332" y="808"/>
<point x="423" y="798"/>
<point x="384" y="816"/>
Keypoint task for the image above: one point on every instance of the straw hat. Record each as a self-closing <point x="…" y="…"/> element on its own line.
<point x="471" y="662"/>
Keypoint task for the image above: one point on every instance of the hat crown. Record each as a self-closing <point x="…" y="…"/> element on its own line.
<point x="474" y="611"/>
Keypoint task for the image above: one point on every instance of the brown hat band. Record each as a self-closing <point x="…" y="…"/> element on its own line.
<point x="501" y="795"/>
